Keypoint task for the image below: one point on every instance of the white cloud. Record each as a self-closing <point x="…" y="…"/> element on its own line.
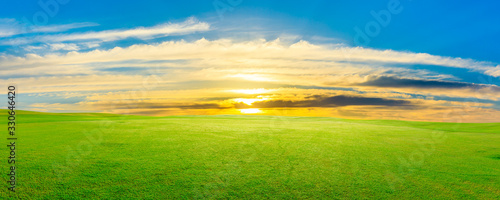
<point x="54" y="47"/>
<point x="62" y="28"/>
<point x="8" y="27"/>
<point x="190" y="25"/>
<point x="494" y="71"/>
<point x="227" y="54"/>
<point x="64" y="46"/>
<point x="187" y="76"/>
<point x="33" y="48"/>
<point x="11" y="27"/>
<point x="301" y="63"/>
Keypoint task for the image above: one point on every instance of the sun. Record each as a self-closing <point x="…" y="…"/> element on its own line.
<point x="250" y="111"/>
<point x="249" y="101"/>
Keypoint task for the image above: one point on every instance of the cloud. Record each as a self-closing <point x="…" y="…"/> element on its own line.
<point x="11" y="27"/>
<point x="190" y="25"/>
<point x="163" y="106"/>
<point x="311" y="79"/>
<point x="351" y="105"/>
<point x="64" y="46"/>
<point x="219" y="64"/>
<point x="59" y="47"/>
<point x="62" y="27"/>
<point x="430" y="87"/>
<point x="309" y="102"/>
<point x="327" y="101"/>
<point x="494" y="71"/>
<point x="396" y="82"/>
<point x="273" y="56"/>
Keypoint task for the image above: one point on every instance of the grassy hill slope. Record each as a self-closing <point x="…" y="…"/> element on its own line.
<point x="104" y="155"/>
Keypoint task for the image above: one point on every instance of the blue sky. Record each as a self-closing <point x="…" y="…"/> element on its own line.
<point x="457" y="29"/>
<point x="442" y="52"/>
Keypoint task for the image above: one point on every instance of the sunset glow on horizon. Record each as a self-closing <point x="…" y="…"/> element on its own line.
<point x="200" y="65"/>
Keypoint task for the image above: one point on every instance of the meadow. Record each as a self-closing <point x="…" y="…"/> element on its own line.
<point x="89" y="156"/>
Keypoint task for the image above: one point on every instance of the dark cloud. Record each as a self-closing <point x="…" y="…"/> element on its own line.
<point x="311" y="101"/>
<point x="327" y="101"/>
<point x="202" y="106"/>
<point x="390" y="81"/>
<point x="143" y="105"/>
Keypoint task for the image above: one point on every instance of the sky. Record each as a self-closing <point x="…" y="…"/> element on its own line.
<point x="389" y="59"/>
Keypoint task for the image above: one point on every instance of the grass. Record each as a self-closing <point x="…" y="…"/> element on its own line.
<point x="77" y="156"/>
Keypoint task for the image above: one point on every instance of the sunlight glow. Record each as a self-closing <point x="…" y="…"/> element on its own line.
<point x="252" y="91"/>
<point x="249" y="101"/>
<point x="251" y="77"/>
<point x="250" y="111"/>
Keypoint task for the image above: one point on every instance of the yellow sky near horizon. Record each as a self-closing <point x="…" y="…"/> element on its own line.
<point x="259" y="77"/>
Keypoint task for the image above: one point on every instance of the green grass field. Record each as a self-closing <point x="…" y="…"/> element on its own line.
<point x="77" y="156"/>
